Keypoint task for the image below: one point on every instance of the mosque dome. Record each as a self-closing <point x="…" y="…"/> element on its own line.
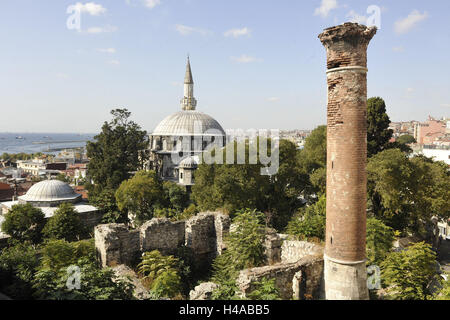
<point x="189" y="163"/>
<point x="188" y="122"/>
<point x="50" y="191"/>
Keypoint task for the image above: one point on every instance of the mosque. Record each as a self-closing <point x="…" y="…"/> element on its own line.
<point x="179" y="139"/>
<point x="47" y="195"/>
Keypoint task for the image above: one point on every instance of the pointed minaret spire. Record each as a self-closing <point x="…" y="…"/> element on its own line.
<point x="188" y="102"/>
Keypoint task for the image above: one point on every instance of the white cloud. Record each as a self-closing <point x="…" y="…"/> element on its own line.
<point x="406" y="24"/>
<point x="151" y="3"/>
<point x="92" y="8"/>
<point x="273" y="99"/>
<point x="325" y="8"/>
<point x="114" y="62"/>
<point x="445" y="105"/>
<point x="355" y="17"/>
<point x="246" y="59"/>
<point x="398" y="49"/>
<point x="96" y="30"/>
<point x="235" y="33"/>
<point x="186" y="30"/>
<point x="107" y="50"/>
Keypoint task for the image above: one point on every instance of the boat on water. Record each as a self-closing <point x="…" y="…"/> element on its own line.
<point x="20" y="138"/>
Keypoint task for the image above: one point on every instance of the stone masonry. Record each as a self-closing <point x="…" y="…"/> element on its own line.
<point x="116" y="244"/>
<point x="203" y="234"/>
<point x="302" y="279"/>
<point x="345" y="250"/>
<point x="162" y="235"/>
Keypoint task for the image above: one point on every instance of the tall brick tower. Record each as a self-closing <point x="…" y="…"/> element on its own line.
<point x="345" y="248"/>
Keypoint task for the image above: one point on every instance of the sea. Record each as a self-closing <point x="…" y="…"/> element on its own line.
<point x="48" y="143"/>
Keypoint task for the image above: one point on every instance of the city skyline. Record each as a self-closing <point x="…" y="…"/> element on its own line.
<point x="255" y="65"/>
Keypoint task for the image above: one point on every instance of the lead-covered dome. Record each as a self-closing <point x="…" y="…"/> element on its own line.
<point x="50" y="192"/>
<point x="188" y="122"/>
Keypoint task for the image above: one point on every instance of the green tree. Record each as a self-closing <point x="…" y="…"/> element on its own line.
<point x="244" y="250"/>
<point x="176" y="195"/>
<point x="141" y="195"/>
<point x="50" y="280"/>
<point x="444" y="293"/>
<point x="18" y="263"/>
<point x="24" y="222"/>
<point x="391" y="187"/>
<point x="265" y="289"/>
<point x="106" y="201"/>
<point x="378" y="132"/>
<point x="379" y="240"/>
<point x="406" y="193"/>
<point x="233" y="187"/>
<point x="62" y="177"/>
<point x="57" y="254"/>
<point x="406" y="139"/>
<point x="65" y="224"/>
<point x="407" y="274"/>
<point x="95" y="284"/>
<point x="309" y="222"/>
<point x="161" y="273"/>
<point x="313" y="161"/>
<point x="116" y="152"/>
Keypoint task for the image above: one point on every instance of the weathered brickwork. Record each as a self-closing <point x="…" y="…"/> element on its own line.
<point x="346" y="47"/>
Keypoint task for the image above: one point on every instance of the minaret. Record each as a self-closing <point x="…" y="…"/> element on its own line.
<point x="345" y="248"/>
<point x="188" y="102"/>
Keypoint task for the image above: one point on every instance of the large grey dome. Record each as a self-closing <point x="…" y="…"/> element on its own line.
<point x="50" y="191"/>
<point x="188" y="122"/>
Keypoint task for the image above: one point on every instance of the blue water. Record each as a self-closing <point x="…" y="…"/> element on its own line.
<point x="41" y="142"/>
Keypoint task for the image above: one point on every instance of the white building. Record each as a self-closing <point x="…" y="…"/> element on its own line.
<point x="48" y="195"/>
<point x="437" y="154"/>
<point x="182" y="135"/>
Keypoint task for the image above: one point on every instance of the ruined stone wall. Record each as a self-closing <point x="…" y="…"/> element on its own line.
<point x="203" y="234"/>
<point x="299" y="280"/>
<point x="292" y="251"/>
<point x="115" y="244"/>
<point x="162" y="235"/>
<point x="200" y="235"/>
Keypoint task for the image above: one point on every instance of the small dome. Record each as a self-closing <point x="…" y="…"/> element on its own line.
<point x="189" y="163"/>
<point x="49" y="191"/>
<point x="188" y="123"/>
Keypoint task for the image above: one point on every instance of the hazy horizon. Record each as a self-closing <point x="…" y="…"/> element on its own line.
<point x="255" y="64"/>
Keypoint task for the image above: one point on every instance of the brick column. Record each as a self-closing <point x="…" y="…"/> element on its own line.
<point x="345" y="248"/>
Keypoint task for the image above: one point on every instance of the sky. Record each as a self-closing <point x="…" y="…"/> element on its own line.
<point x="256" y="63"/>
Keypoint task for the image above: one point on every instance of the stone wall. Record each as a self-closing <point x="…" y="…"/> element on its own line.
<point x="116" y="244"/>
<point x="292" y="251"/>
<point x="272" y="247"/>
<point x="162" y="235"/>
<point x="299" y="280"/>
<point x="203" y="234"/>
